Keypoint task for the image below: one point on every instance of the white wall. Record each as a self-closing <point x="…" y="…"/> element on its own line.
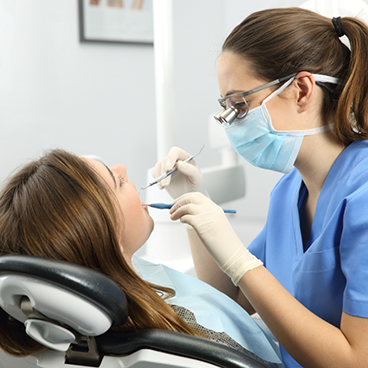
<point x="57" y="92"/>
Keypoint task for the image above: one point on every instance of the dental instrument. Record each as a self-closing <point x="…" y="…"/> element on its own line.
<point x="167" y="206"/>
<point x="165" y="175"/>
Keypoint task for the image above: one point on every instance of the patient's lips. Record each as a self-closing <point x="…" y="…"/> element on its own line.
<point x="145" y="207"/>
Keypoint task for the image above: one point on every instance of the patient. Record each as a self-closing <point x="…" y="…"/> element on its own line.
<point x="75" y="209"/>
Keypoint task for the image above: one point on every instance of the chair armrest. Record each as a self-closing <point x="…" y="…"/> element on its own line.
<point x="121" y="343"/>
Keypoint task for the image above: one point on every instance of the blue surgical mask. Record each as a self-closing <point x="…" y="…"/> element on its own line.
<point x="256" y="140"/>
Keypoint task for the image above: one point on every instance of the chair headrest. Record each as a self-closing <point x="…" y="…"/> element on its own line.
<point x="85" y="300"/>
<point x="92" y="285"/>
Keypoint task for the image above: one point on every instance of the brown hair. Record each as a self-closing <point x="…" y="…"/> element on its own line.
<point x="58" y="207"/>
<point x="279" y="42"/>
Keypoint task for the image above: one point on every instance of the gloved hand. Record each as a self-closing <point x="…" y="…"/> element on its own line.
<point x="216" y="233"/>
<point x="187" y="178"/>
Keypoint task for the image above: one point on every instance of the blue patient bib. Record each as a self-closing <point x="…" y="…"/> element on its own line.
<point x="212" y="308"/>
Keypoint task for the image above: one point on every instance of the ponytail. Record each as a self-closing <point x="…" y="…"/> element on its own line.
<point x="351" y="119"/>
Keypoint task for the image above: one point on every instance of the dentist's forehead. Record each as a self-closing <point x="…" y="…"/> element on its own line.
<point x="234" y="75"/>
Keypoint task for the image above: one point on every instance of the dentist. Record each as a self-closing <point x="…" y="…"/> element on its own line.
<point x="295" y="100"/>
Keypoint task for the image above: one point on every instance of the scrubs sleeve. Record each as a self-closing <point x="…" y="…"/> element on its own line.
<point x="257" y="246"/>
<point x="354" y="253"/>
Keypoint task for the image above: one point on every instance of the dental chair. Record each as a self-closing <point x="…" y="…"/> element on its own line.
<point x="70" y="309"/>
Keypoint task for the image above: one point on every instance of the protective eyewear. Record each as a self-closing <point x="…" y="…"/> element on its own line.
<point x="236" y="107"/>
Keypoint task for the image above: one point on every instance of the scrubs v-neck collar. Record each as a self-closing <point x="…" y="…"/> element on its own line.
<point x="337" y="170"/>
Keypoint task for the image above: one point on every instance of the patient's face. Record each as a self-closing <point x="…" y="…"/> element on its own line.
<point x="138" y="224"/>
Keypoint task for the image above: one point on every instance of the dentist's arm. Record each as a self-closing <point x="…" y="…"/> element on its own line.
<point x="310" y="340"/>
<point x="208" y="271"/>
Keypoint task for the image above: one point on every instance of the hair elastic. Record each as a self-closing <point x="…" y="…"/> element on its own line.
<point x="336" y="21"/>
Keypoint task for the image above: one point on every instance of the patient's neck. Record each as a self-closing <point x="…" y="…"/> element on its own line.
<point x="128" y="259"/>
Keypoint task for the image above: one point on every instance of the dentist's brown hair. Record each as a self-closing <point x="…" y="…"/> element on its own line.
<point x="280" y="42"/>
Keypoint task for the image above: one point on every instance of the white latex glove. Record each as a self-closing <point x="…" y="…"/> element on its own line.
<point x="187" y="178"/>
<point x="216" y="233"/>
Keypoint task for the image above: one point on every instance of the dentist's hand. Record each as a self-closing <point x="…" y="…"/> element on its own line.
<point x="187" y="178"/>
<point x="216" y="233"/>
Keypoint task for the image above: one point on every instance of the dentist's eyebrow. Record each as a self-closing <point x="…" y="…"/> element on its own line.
<point x="235" y="92"/>
<point x="232" y="92"/>
<point x="112" y="175"/>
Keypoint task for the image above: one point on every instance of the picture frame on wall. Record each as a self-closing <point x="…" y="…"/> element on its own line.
<point x="116" y="21"/>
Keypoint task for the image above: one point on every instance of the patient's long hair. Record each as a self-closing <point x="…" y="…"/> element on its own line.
<point x="58" y="207"/>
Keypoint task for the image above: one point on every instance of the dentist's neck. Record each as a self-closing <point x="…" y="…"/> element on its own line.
<point x="316" y="157"/>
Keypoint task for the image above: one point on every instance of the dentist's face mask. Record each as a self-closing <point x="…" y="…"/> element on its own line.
<point x="255" y="139"/>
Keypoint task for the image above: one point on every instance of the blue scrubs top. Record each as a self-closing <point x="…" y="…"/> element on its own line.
<point x="330" y="274"/>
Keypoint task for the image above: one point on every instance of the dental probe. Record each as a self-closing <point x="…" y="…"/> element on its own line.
<point x="167" y="206"/>
<point x="165" y="175"/>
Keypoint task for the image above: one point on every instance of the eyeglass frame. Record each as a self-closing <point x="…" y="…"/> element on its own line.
<point x="254" y="90"/>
